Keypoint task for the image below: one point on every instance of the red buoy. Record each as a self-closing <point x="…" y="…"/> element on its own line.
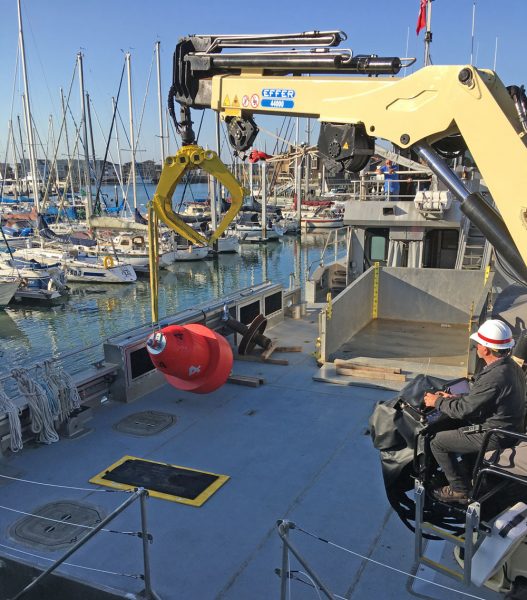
<point x="192" y="357"/>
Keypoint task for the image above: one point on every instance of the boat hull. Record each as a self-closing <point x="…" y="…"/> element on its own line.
<point x="7" y="291"/>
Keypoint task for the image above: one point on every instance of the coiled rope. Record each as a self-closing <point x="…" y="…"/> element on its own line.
<point x="40" y="412"/>
<point x="13" y="412"/>
<point x="66" y="390"/>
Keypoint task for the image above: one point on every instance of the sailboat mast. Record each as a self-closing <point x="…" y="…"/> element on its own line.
<point x="117" y="141"/>
<point x="298" y="180"/>
<point x="11" y="139"/>
<point x="132" y="135"/>
<point x="69" y="158"/>
<point x="27" y="112"/>
<point x="89" y="206"/>
<point x="160" y="103"/>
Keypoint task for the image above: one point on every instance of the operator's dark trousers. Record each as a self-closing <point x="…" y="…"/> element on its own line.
<point x="445" y="447"/>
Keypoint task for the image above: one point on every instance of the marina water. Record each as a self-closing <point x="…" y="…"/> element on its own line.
<point x="92" y="313"/>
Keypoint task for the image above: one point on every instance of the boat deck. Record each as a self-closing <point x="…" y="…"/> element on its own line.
<point x="293" y="448"/>
<point x="415" y="341"/>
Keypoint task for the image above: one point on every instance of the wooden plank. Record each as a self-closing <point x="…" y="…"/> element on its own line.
<point x="267" y="353"/>
<point x="288" y="349"/>
<point x="370" y="374"/>
<point x="339" y="362"/>
<point x="269" y="361"/>
<point x="246" y="380"/>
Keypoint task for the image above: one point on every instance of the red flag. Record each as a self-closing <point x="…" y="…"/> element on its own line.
<point x="256" y="155"/>
<point x="421" y="19"/>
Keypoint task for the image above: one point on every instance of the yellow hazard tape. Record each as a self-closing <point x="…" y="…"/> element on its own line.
<point x="375" y="307"/>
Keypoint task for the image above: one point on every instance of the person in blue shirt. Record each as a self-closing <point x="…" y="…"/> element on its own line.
<point x="391" y="183"/>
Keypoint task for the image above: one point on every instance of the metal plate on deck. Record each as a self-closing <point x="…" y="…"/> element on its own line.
<point x="58" y="528"/>
<point x="162" y="480"/>
<point x="149" y="422"/>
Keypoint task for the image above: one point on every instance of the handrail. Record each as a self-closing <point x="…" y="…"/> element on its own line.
<point x="333" y="233"/>
<point x="140" y="493"/>
<point x="283" y="530"/>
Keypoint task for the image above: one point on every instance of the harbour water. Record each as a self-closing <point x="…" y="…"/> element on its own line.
<point x="92" y="313"/>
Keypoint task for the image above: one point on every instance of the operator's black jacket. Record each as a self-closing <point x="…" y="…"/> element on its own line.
<point x="496" y="399"/>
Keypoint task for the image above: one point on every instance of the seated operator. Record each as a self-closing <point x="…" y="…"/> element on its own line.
<point x="496" y="400"/>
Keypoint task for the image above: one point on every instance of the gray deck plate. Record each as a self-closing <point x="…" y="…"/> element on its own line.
<point x="425" y="343"/>
<point x="294" y="448"/>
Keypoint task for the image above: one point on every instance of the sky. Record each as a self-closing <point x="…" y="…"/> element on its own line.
<point x="56" y="30"/>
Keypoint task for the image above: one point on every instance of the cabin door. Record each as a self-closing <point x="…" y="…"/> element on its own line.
<point x="441" y="248"/>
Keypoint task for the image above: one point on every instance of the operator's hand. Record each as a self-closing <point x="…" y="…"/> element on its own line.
<point x="430" y="399"/>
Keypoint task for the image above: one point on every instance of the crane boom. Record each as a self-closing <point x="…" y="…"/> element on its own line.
<point x="411" y="112"/>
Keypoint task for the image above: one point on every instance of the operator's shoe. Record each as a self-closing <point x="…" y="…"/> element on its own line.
<point x="447" y="494"/>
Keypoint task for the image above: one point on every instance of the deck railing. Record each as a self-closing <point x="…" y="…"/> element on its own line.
<point x="140" y="494"/>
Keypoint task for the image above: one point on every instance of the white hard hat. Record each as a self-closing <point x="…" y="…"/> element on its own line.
<point x="494" y="334"/>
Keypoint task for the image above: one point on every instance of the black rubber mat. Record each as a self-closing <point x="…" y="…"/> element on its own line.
<point x="161" y="478"/>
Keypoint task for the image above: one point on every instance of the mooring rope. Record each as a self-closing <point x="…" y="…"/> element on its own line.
<point x="13" y="413"/>
<point x="40" y="413"/>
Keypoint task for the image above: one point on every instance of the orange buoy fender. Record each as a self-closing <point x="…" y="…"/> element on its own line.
<point x="191" y="357"/>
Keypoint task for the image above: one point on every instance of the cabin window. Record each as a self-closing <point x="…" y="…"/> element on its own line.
<point x="378" y="248"/>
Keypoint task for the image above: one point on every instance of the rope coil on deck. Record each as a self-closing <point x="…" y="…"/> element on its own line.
<point x="13" y="413"/>
<point x="66" y="390"/>
<point x="40" y="411"/>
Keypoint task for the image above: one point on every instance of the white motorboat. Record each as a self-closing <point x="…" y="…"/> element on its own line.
<point x="324" y="218"/>
<point x="183" y="251"/>
<point x="40" y="283"/>
<point x="80" y="267"/>
<point x="249" y="224"/>
<point x="133" y="250"/>
<point x="229" y="243"/>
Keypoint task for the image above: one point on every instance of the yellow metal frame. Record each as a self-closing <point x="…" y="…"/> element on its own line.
<point x="187" y="158"/>
<point x="198" y="501"/>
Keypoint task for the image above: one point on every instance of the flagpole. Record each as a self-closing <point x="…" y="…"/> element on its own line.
<point x="495" y="53"/>
<point x="473" y="29"/>
<point x="407" y="43"/>
<point x="428" y="34"/>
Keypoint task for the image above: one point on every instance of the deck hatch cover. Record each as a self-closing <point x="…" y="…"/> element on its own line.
<point x="148" y="422"/>
<point x="162" y="480"/>
<point x="51" y="535"/>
